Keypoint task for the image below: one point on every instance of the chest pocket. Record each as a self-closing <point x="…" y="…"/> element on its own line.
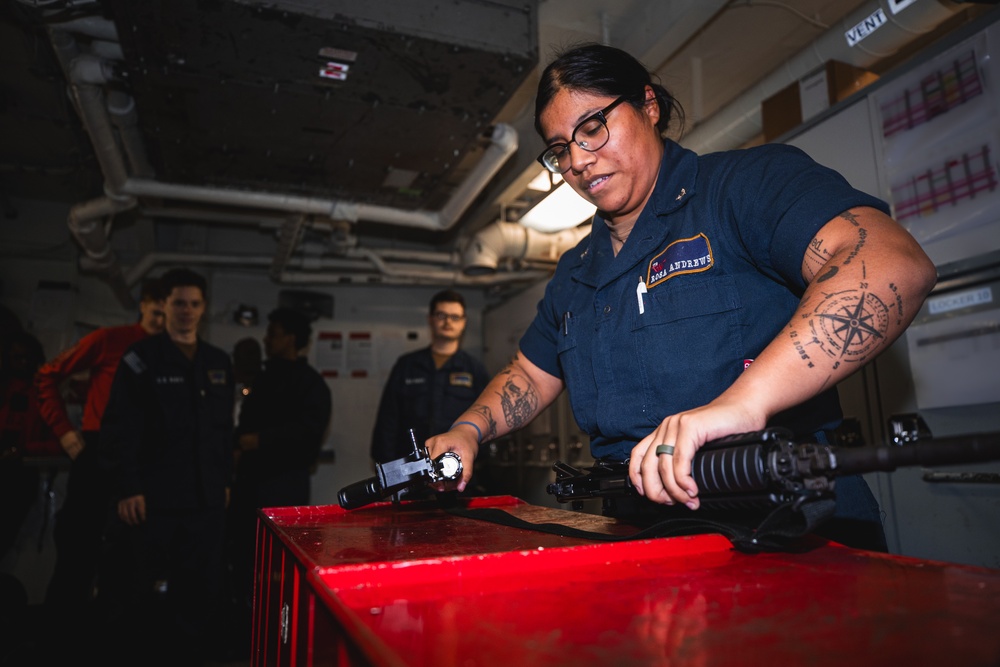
<point x="690" y="333"/>
<point x="669" y="303"/>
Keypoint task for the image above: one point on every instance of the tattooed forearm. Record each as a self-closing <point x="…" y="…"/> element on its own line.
<point x="899" y="303"/>
<point x="844" y="327"/>
<point x="512" y="365"/>
<point x="850" y="217"/>
<point x="829" y="273"/>
<point x="818" y="255"/>
<point x="862" y="235"/>
<point x="519" y="400"/>
<point x="487" y="416"/>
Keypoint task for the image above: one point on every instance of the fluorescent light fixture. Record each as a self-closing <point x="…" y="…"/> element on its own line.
<point x="562" y="209"/>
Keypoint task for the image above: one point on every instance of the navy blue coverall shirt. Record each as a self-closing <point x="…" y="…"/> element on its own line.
<point x="710" y="273"/>
<point x="426" y="399"/>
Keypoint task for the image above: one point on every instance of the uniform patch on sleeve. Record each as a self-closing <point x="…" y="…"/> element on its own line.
<point x="691" y="255"/>
<point x="460" y="379"/>
<point x="217" y="376"/>
<point x="133" y="361"/>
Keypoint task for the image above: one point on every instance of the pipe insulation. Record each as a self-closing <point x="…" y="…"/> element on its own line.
<point x="333" y="271"/>
<point x="509" y="240"/>
<point x="122" y="111"/>
<point x="503" y="145"/>
<point x="86" y="224"/>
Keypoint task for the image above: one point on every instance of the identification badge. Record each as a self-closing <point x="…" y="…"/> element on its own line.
<point x="692" y="255"/>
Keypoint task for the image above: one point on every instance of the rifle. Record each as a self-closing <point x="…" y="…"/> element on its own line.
<point x="415" y="469"/>
<point x="767" y="469"/>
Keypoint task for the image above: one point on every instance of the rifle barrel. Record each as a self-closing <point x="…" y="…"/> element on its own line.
<point x="974" y="448"/>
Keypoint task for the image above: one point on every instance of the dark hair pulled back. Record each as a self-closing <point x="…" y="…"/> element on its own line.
<point x="603" y="70"/>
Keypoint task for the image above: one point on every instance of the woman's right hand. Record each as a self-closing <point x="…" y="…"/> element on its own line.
<point x="461" y="439"/>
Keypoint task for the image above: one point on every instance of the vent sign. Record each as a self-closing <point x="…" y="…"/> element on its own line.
<point x="874" y="21"/>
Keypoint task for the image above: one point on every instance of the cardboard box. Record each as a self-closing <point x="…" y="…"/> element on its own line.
<point x="811" y="95"/>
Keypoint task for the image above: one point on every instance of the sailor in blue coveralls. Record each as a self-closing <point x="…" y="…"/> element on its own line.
<point x="716" y="294"/>
<point x="428" y="388"/>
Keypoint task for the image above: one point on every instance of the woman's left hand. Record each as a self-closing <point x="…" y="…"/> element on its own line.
<point x="666" y="478"/>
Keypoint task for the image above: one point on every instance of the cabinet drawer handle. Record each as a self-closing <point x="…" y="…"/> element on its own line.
<point x="285" y="614"/>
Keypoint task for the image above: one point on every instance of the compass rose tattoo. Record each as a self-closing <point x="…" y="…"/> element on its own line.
<point x="849" y="326"/>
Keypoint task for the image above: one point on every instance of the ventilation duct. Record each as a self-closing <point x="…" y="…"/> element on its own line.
<point x="504" y="241"/>
<point x="111" y="122"/>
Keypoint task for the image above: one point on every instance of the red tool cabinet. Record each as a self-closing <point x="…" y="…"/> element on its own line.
<point x="410" y="584"/>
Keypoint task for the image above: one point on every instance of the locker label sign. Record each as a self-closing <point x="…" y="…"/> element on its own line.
<point x="958" y="300"/>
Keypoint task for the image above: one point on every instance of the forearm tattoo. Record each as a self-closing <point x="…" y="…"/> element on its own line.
<point x="518" y="398"/>
<point x="817" y="255"/>
<point x="848" y="326"/>
<point x="487" y="415"/>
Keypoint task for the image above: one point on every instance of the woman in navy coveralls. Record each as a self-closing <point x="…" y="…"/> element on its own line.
<point x="716" y="294"/>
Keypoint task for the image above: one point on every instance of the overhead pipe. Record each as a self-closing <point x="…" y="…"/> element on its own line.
<point x="86" y="224"/>
<point x="89" y="222"/>
<point x="363" y="258"/>
<point x="411" y="274"/>
<point x="503" y="144"/>
<point x="149" y="261"/>
<point x="85" y="73"/>
<point x="740" y="121"/>
<point x="512" y="241"/>
<point x="107" y="50"/>
<point x="263" y="221"/>
<point x="275" y="222"/>
<point x="332" y="270"/>
<point x="96" y="27"/>
<point x="122" y="111"/>
<point x="288" y="240"/>
<point x="456" y="278"/>
<point x="425" y="256"/>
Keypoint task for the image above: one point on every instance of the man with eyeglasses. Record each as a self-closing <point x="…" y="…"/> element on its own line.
<point x="429" y="388"/>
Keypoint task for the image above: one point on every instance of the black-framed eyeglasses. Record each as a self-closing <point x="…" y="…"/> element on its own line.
<point x="441" y="317"/>
<point x="590" y="135"/>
